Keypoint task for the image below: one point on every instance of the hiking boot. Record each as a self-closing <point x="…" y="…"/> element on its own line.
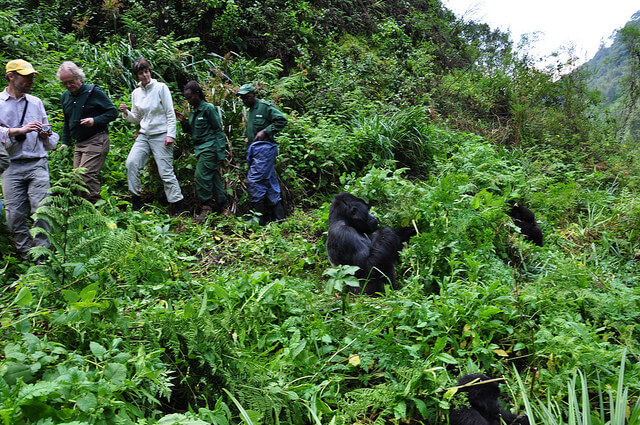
<point x="177" y="208"/>
<point x="205" y="211"/>
<point x="136" y="202"/>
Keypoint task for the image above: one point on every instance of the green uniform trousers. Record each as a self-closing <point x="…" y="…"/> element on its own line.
<point x="209" y="183"/>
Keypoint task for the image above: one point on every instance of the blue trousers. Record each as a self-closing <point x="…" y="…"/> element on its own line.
<point x="262" y="181"/>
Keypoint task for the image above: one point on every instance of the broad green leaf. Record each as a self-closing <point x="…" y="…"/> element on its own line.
<point x="42" y="388"/>
<point x="179" y="419"/>
<point x="98" y="350"/>
<point x="447" y="358"/>
<point x="24" y="297"/>
<point x="15" y="371"/>
<point x="70" y="296"/>
<point x="116" y="373"/>
<point x="87" y="402"/>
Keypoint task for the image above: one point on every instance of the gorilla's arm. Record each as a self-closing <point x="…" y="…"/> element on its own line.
<point x="467" y="416"/>
<point x="385" y="245"/>
<point x="346" y="246"/>
<point x="511" y="419"/>
<point x="405" y="233"/>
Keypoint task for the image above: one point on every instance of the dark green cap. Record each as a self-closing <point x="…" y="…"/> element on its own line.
<point x="246" y="88"/>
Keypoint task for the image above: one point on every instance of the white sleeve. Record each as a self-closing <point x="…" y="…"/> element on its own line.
<point x="134" y="114"/>
<point x="167" y="103"/>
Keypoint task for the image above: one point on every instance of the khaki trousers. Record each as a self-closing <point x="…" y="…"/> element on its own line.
<point x="91" y="154"/>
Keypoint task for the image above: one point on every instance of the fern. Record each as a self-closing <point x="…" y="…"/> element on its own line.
<point x="84" y="242"/>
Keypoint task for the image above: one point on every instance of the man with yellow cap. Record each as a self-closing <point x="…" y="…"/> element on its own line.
<point x="26" y="134"/>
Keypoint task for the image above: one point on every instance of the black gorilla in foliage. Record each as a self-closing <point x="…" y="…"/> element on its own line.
<point x="483" y="408"/>
<point x="524" y="218"/>
<point x="354" y="239"/>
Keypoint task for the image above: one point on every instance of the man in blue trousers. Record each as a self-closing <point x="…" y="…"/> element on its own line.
<point x="263" y="122"/>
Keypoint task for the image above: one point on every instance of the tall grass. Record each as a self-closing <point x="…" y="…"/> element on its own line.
<point x="577" y="410"/>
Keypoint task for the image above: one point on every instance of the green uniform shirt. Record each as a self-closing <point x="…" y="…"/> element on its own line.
<point x="206" y="130"/>
<point x="75" y="107"/>
<point x="264" y="116"/>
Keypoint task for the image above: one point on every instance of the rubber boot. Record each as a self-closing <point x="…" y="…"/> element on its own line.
<point x="278" y="211"/>
<point x="257" y="208"/>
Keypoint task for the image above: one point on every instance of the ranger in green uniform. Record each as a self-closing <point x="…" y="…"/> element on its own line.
<point x="87" y="114"/>
<point x="263" y="122"/>
<point x="210" y="144"/>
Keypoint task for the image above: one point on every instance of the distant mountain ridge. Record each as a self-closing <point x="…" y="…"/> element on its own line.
<point x="607" y="67"/>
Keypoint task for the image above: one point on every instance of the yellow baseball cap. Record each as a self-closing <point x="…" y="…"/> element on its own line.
<point x="21" y="66"/>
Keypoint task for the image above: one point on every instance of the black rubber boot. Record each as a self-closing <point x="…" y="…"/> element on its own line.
<point x="278" y="211"/>
<point x="257" y="208"/>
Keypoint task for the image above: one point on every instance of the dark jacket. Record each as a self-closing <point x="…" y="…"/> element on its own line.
<point x="264" y="116"/>
<point x="206" y="130"/>
<point x="84" y="105"/>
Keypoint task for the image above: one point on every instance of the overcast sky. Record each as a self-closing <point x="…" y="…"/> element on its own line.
<point x="583" y="24"/>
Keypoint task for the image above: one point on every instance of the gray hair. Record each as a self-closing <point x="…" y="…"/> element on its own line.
<point x="71" y="67"/>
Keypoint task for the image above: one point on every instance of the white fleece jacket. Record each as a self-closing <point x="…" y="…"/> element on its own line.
<point x="152" y="108"/>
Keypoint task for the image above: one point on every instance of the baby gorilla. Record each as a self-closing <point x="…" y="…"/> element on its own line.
<point x="354" y="239"/>
<point x="524" y="218"/>
<point x="483" y="408"/>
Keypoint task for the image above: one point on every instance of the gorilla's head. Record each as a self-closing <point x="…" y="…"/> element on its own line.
<point x="354" y="211"/>
<point x="483" y="397"/>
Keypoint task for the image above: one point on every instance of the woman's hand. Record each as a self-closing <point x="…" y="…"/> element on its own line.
<point x="123" y="109"/>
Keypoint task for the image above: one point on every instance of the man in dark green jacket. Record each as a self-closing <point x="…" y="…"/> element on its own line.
<point x="210" y="144"/>
<point x="87" y="114"/>
<point x="264" y="120"/>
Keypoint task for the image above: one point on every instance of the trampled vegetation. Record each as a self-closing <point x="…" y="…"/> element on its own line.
<point x="137" y="317"/>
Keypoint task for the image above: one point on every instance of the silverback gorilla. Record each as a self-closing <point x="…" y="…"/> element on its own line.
<point x="482" y="407"/>
<point x="354" y="239"/>
<point x="524" y="218"/>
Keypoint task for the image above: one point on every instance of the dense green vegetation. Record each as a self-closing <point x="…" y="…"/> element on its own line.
<point x="142" y="318"/>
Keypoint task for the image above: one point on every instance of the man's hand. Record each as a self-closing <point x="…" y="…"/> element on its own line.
<point x="179" y="115"/>
<point x="27" y="128"/>
<point x="87" y="121"/>
<point x="260" y="135"/>
<point x="168" y="140"/>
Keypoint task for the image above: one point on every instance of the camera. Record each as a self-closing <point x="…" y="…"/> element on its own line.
<point x="45" y="128"/>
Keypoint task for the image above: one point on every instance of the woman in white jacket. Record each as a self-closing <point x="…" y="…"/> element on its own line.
<point x="152" y="108"/>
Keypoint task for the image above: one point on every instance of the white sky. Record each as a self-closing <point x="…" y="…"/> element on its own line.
<point x="581" y="24"/>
